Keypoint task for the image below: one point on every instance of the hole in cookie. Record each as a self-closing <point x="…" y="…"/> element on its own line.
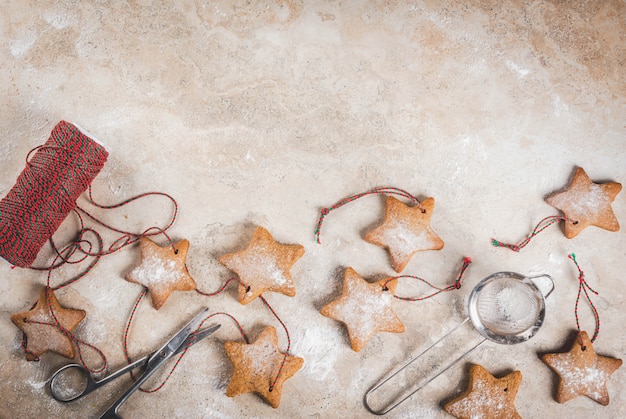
<point x="175" y="251"/>
<point x="385" y="288"/>
<point x="248" y="288"/>
<point x="574" y="222"/>
<point x="506" y="389"/>
<point x="584" y="348"/>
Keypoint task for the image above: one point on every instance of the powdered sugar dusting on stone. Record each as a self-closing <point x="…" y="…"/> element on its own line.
<point x="319" y="348"/>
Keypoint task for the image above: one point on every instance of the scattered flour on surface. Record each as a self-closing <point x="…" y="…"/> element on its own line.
<point x="21" y="45"/>
<point x="319" y="349"/>
<point x="36" y="385"/>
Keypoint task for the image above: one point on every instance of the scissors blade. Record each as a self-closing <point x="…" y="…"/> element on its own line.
<point x="197" y="337"/>
<point x="171" y="346"/>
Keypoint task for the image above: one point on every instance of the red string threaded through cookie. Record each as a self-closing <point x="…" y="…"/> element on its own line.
<point x="78" y="342"/>
<point x="583" y="287"/>
<point x="286" y="354"/>
<point x="457" y="283"/>
<point x="384" y="190"/>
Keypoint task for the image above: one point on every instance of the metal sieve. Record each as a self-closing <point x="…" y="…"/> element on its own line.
<point x="505" y="307"/>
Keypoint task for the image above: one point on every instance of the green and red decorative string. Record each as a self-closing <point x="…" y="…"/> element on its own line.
<point x="383" y="190"/>
<point x="584" y="288"/>
<point x="457" y="283"/>
<point x="541" y="226"/>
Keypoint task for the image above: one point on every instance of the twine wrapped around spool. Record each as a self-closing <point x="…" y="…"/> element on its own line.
<point x="46" y="191"/>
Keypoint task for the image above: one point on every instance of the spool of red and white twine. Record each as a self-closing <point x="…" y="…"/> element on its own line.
<point x="46" y="191"/>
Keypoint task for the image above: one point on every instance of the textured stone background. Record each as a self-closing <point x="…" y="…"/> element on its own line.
<point x="260" y="113"/>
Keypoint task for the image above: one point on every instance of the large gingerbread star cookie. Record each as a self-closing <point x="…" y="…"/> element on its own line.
<point x="263" y="266"/>
<point x="582" y="372"/>
<point x="162" y="270"/>
<point x="258" y="367"/>
<point x="405" y="231"/>
<point x="365" y="308"/>
<point x="486" y="396"/>
<point x="586" y="203"/>
<point x="39" y="326"/>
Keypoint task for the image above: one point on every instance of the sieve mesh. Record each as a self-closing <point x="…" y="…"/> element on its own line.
<point x="508" y="306"/>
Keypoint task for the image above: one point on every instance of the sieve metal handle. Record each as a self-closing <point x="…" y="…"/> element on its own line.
<point x="402" y="397"/>
<point x="551" y="284"/>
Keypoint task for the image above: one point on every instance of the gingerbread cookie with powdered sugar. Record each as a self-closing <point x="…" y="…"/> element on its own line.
<point x="263" y="266"/>
<point x="365" y="308"/>
<point x="162" y="270"/>
<point x="44" y="326"/>
<point x="486" y="396"/>
<point x="586" y="203"/>
<point x="260" y="367"/>
<point x="582" y="372"/>
<point x="405" y="231"/>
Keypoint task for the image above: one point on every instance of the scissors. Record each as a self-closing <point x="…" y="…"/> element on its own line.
<point x="60" y="382"/>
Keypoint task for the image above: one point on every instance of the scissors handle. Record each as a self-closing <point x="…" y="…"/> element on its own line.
<point x="73" y="381"/>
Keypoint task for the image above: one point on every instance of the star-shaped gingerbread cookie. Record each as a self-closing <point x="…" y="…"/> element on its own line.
<point x="162" y="270"/>
<point x="405" y="231"/>
<point x="263" y="266"/>
<point x="582" y="372"/>
<point x="365" y="308"/>
<point x="257" y="366"/>
<point x="586" y="203"/>
<point x="486" y="396"/>
<point x="39" y="326"/>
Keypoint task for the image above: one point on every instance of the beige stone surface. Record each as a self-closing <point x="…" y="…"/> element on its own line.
<point x="261" y="113"/>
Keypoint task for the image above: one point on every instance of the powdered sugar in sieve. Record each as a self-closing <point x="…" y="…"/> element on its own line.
<point x="508" y="306"/>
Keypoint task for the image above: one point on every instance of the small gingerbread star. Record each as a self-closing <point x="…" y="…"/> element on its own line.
<point x="365" y="308"/>
<point x="405" y="231"/>
<point x="582" y="372"/>
<point x="486" y="396"/>
<point x="41" y="330"/>
<point x="258" y="367"/>
<point x="263" y="266"/>
<point x="162" y="270"/>
<point x="586" y="203"/>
